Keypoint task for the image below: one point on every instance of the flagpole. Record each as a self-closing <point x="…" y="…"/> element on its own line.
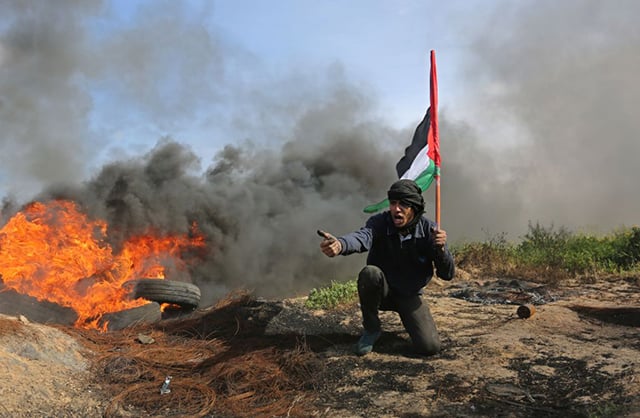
<point x="436" y="135"/>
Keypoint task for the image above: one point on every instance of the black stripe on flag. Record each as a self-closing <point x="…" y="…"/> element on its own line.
<point x="418" y="142"/>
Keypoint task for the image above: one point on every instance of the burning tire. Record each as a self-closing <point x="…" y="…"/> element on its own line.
<point x="186" y="295"/>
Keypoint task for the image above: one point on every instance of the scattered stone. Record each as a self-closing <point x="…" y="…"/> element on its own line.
<point x="145" y="339"/>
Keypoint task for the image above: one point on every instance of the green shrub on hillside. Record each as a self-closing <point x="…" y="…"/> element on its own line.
<point x="548" y="250"/>
<point x="543" y="246"/>
<point x="333" y="295"/>
<point x="495" y="254"/>
<point x="626" y="248"/>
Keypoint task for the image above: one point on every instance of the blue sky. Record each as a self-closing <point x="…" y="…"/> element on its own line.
<point x="382" y="43"/>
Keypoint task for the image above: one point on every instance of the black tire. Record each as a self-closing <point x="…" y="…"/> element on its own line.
<point x="186" y="295"/>
<point x="145" y="314"/>
<point x="43" y="312"/>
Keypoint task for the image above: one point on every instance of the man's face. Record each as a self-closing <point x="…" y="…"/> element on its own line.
<point x="400" y="213"/>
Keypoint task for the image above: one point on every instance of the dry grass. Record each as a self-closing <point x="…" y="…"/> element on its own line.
<point x="218" y="362"/>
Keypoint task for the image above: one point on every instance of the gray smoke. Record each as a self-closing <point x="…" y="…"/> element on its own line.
<point x="549" y="135"/>
<point x="565" y="74"/>
<point x="43" y="110"/>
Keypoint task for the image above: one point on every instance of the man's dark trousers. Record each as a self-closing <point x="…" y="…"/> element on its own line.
<point x="374" y="294"/>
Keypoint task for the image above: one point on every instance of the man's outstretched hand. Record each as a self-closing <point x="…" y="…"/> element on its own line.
<point x="330" y="245"/>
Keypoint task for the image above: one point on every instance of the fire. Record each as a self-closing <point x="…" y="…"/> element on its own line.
<point x="53" y="252"/>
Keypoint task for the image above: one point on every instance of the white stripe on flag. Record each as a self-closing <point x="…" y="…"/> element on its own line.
<point x="419" y="164"/>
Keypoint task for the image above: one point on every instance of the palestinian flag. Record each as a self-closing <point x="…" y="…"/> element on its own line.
<point x="421" y="160"/>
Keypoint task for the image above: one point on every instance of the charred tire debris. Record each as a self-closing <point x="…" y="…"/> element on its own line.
<point x="145" y="314"/>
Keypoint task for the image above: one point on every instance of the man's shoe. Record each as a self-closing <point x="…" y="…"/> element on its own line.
<point x="365" y="344"/>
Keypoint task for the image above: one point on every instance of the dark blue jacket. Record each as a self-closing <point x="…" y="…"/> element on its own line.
<point x="408" y="264"/>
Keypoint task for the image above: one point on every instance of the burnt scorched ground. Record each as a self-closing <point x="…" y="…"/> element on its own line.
<point x="577" y="356"/>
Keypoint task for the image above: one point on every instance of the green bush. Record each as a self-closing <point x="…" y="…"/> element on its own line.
<point x="543" y="246"/>
<point x="495" y="254"/>
<point x="626" y="248"/>
<point x="585" y="253"/>
<point x="549" y="250"/>
<point x="580" y="253"/>
<point x="333" y="295"/>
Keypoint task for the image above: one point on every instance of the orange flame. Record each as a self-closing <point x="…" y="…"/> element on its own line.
<point x="53" y="252"/>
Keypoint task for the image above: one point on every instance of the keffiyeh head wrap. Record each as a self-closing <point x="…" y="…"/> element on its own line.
<point x="409" y="194"/>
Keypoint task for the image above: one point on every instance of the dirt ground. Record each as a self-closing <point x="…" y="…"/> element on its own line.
<point x="578" y="355"/>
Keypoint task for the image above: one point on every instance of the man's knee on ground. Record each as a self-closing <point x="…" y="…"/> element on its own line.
<point x="370" y="277"/>
<point x="427" y="348"/>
